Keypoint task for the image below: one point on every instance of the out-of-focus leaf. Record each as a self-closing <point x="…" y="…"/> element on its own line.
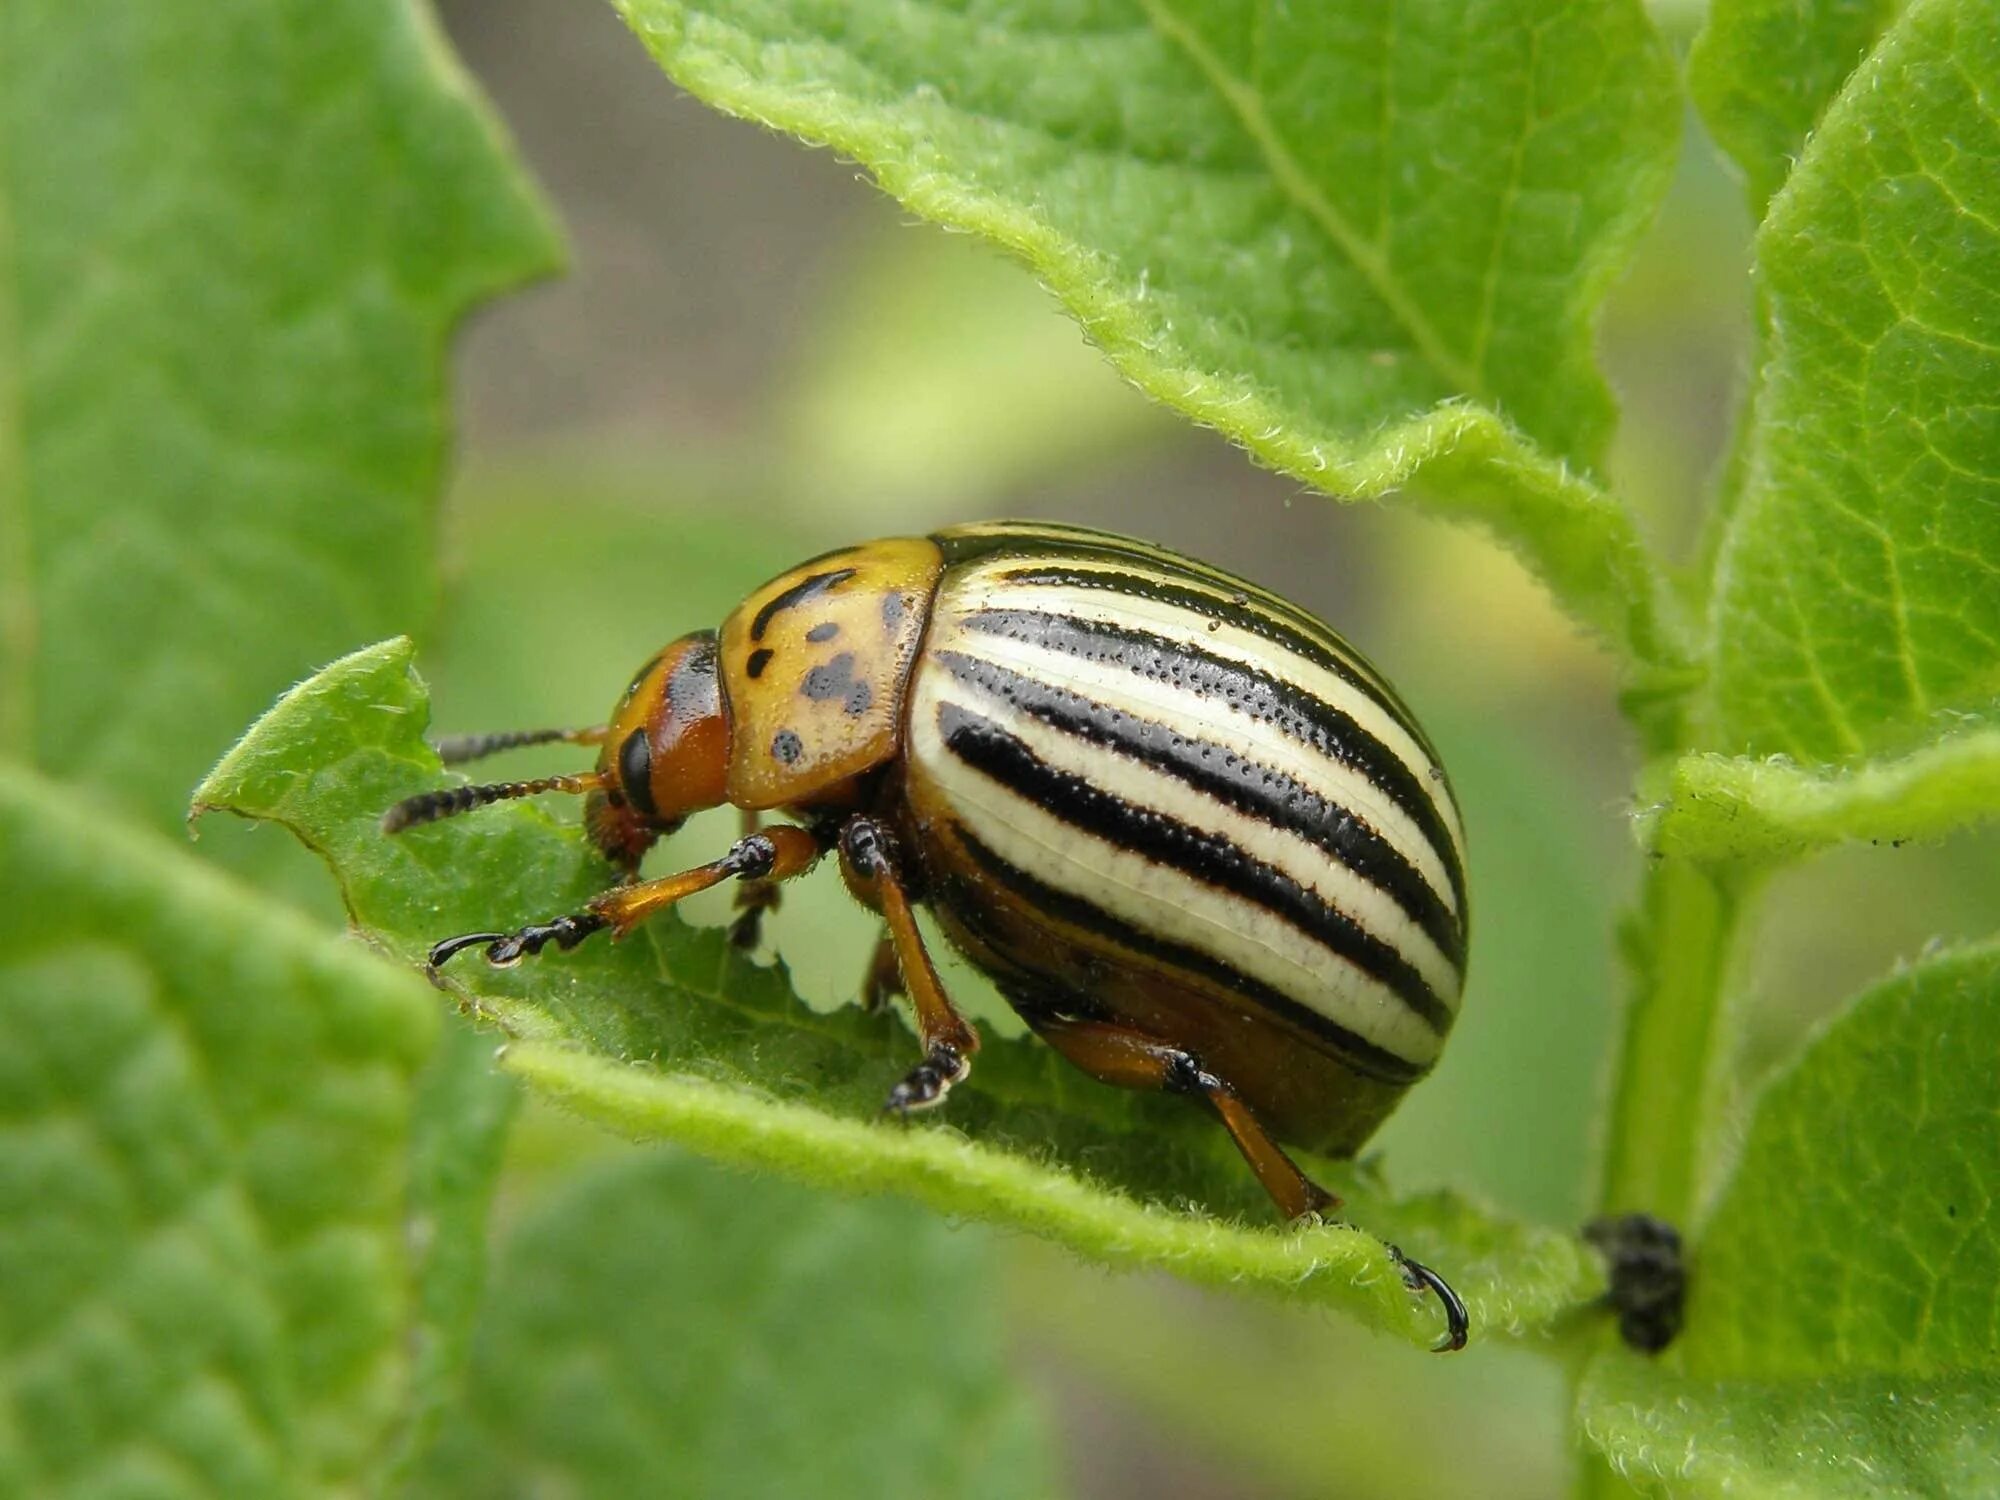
<point x="221" y="1250"/>
<point x="676" y="1034"/>
<point x="661" y="1328"/>
<point x="236" y="236"/>
<point x="1763" y="71"/>
<point x="1315" y="228"/>
<point x="1857" y="593"/>
<point x="934" y="367"/>
<point x="1236" y="1383"/>
<point x="1721" y="807"/>
<point x="1845" y="1292"/>
<point x="1509" y="1111"/>
<point x="461" y="1116"/>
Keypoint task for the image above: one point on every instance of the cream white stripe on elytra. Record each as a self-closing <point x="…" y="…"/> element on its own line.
<point x="1156" y="898"/>
<point x="1367" y="905"/>
<point x="1242" y="648"/>
<point x="1230" y="643"/>
<point x="1232" y="593"/>
<point x="1143" y="559"/>
<point x="1161" y="703"/>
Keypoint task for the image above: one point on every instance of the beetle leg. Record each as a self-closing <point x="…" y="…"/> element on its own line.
<point x="753" y="899"/>
<point x="867" y="862"/>
<point x="771" y="854"/>
<point x="884" y="979"/>
<point x="1129" y="1059"/>
<point x="1125" y="1058"/>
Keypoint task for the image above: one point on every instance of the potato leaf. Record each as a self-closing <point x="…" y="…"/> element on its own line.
<point x="1763" y="71"/>
<point x="1720" y="807"/>
<point x="233" y="237"/>
<point x="675" y="1034"/>
<point x="1369" y="247"/>
<point x="1845" y="1292"/>
<point x="662" y="1328"/>
<point x="229" y="1263"/>
<point x="1857" y="593"/>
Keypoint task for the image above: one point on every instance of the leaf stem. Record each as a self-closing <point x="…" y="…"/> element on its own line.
<point x="1670" y="1065"/>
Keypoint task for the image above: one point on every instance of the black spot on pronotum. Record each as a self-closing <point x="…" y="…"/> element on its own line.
<point x="859" y="699"/>
<point x="759" y="659"/>
<point x="786" y="747"/>
<point x="892" y="610"/>
<point x="826" y="630"/>
<point x="797" y="594"/>
<point x="832" y="679"/>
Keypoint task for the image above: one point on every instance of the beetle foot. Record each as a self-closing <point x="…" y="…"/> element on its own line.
<point x="505" y="949"/>
<point x="1419" y="1277"/>
<point x="925" y="1086"/>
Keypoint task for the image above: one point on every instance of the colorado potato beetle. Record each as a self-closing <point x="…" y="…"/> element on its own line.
<point x="1198" y="842"/>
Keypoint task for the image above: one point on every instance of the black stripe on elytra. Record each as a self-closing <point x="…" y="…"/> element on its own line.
<point x="1293" y="631"/>
<point x="1356" y="1051"/>
<point x="809" y="587"/>
<point x="1043" y="541"/>
<point x="1261" y="792"/>
<point x="1290" y="709"/>
<point x="1205" y="858"/>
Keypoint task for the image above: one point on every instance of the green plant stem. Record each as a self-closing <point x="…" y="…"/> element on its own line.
<point x="1670" y="1062"/>
<point x="1669" y="1070"/>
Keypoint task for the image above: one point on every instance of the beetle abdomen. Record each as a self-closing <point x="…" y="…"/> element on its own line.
<point x="1194" y="787"/>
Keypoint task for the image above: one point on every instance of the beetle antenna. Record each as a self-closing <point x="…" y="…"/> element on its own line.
<point x="448" y="802"/>
<point x="457" y="749"/>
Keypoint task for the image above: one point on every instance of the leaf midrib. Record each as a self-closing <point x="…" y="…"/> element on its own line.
<point x="1248" y="106"/>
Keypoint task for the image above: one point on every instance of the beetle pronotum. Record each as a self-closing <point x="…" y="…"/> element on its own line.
<point x="1197" y="841"/>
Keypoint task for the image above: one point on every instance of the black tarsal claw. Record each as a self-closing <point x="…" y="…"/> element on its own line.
<point x="1419" y="1278"/>
<point x="505" y="949"/>
<point x="444" y="952"/>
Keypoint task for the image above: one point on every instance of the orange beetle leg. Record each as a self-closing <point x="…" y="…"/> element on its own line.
<point x="770" y="854"/>
<point x="753" y="899"/>
<point x="867" y="862"/>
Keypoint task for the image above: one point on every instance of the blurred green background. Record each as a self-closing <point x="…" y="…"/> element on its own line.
<point x="756" y="356"/>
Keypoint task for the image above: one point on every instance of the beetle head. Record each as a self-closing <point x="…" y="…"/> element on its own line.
<point x="665" y="752"/>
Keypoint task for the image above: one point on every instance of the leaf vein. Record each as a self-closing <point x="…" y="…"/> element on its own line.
<point x="1292" y="180"/>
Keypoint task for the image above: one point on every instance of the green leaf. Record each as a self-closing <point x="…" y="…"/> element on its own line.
<point x="1313" y="228"/>
<point x="233" y="237"/>
<point x="459" y="1124"/>
<point x="676" y="1034"/>
<point x="660" y="1328"/>
<point x="1840" y="1325"/>
<point x="220" y="1247"/>
<point x="1763" y="71"/>
<point x="1857" y="606"/>
<point x="1720" y="807"/>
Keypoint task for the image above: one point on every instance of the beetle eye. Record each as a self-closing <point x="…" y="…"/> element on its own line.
<point x="635" y="770"/>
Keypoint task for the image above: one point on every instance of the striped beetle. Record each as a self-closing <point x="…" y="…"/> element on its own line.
<point x="1197" y="841"/>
